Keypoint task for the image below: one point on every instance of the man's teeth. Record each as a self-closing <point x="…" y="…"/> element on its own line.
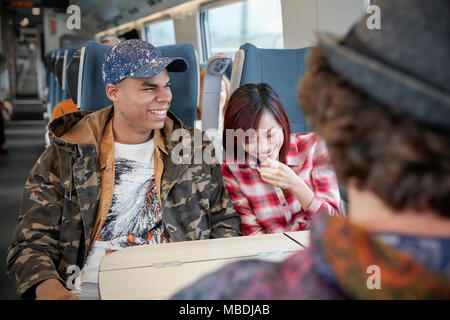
<point x="160" y="112"/>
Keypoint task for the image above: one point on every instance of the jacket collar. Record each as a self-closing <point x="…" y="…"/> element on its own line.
<point x="347" y="255"/>
<point x="81" y="127"/>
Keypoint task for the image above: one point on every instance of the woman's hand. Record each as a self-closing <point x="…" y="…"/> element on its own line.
<point x="280" y="175"/>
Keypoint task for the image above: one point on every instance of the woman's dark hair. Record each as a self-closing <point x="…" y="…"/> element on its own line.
<point x="245" y="108"/>
<point x="405" y="163"/>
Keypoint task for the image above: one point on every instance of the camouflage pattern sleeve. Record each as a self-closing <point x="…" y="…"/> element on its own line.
<point x="225" y="221"/>
<point x="34" y="249"/>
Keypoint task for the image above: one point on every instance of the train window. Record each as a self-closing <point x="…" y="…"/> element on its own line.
<point x="226" y="28"/>
<point x="160" y="33"/>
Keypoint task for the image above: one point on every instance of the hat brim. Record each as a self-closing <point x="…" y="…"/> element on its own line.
<point x="392" y="87"/>
<point x="156" y="66"/>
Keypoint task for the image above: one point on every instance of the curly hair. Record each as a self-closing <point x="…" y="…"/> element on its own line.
<point x="405" y="163"/>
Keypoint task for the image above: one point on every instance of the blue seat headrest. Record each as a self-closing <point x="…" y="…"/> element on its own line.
<point x="93" y="91"/>
<point x="184" y="84"/>
<point x="282" y="69"/>
<point x="70" y="52"/>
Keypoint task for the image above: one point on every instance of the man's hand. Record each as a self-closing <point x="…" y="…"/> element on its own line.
<point x="52" y="289"/>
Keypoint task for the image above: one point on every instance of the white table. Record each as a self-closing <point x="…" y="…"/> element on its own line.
<point x="301" y="237"/>
<point x="159" y="271"/>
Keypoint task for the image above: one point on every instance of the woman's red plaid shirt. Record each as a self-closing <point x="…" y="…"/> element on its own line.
<point x="265" y="208"/>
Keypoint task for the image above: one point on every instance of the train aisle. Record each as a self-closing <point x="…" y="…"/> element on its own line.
<point x="25" y="141"/>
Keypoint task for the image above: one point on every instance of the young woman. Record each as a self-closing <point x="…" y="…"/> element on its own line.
<point x="285" y="178"/>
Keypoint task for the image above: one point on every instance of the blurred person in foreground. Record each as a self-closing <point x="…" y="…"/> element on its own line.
<point x="381" y="101"/>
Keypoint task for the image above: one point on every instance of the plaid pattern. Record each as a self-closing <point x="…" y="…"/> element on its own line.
<point x="267" y="209"/>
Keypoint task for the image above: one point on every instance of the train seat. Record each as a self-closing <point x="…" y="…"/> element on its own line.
<point x="91" y="90"/>
<point x="68" y="54"/>
<point x="47" y="62"/>
<point x="212" y="82"/>
<point x="282" y="69"/>
<point x="227" y="70"/>
<point x="72" y="75"/>
<point x="185" y="85"/>
<point x="58" y="91"/>
<point x="64" y="56"/>
<point x="52" y="80"/>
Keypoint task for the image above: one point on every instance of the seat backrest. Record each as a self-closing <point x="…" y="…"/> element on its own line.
<point x="228" y="70"/>
<point x="282" y="69"/>
<point x="72" y="75"/>
<point x="52" y="80"/>
<point x="54" y="89"/>
<point x="93" y="91"/>
<point x="47" y="62"/>
<point x="211" y="112"/>
<point x="68" y="54"/>
<point x="57" y="70"/>
<point x="185" y="85"/>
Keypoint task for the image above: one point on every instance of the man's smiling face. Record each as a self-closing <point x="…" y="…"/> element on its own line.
<point x="143" y="103"/>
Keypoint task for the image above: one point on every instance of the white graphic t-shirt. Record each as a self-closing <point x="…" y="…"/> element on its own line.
<point x="134" y="217"/>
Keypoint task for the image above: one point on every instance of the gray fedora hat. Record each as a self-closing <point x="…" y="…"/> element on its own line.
<point x="405" y="65"/>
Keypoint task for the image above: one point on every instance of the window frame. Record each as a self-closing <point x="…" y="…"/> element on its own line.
<point x="203" y="8"/>
<point x="164" y="18"/>
<point x="202" y="16"/>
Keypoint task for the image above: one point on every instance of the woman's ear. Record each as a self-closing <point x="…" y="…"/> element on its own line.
<point x="112" y="92"/>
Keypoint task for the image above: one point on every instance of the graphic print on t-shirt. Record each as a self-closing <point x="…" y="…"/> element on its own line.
<point x="135" y="215"/>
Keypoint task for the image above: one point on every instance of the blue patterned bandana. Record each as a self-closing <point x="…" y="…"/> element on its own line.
<point x="137" y="59"/>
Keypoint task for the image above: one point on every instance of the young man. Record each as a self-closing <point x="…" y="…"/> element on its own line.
<point x="381" y="101"/>
<point x="108" y="181"/>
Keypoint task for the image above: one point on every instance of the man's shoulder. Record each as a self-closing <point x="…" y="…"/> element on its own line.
<point x="66" y="122"/>
<point x="80" y="127"/>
